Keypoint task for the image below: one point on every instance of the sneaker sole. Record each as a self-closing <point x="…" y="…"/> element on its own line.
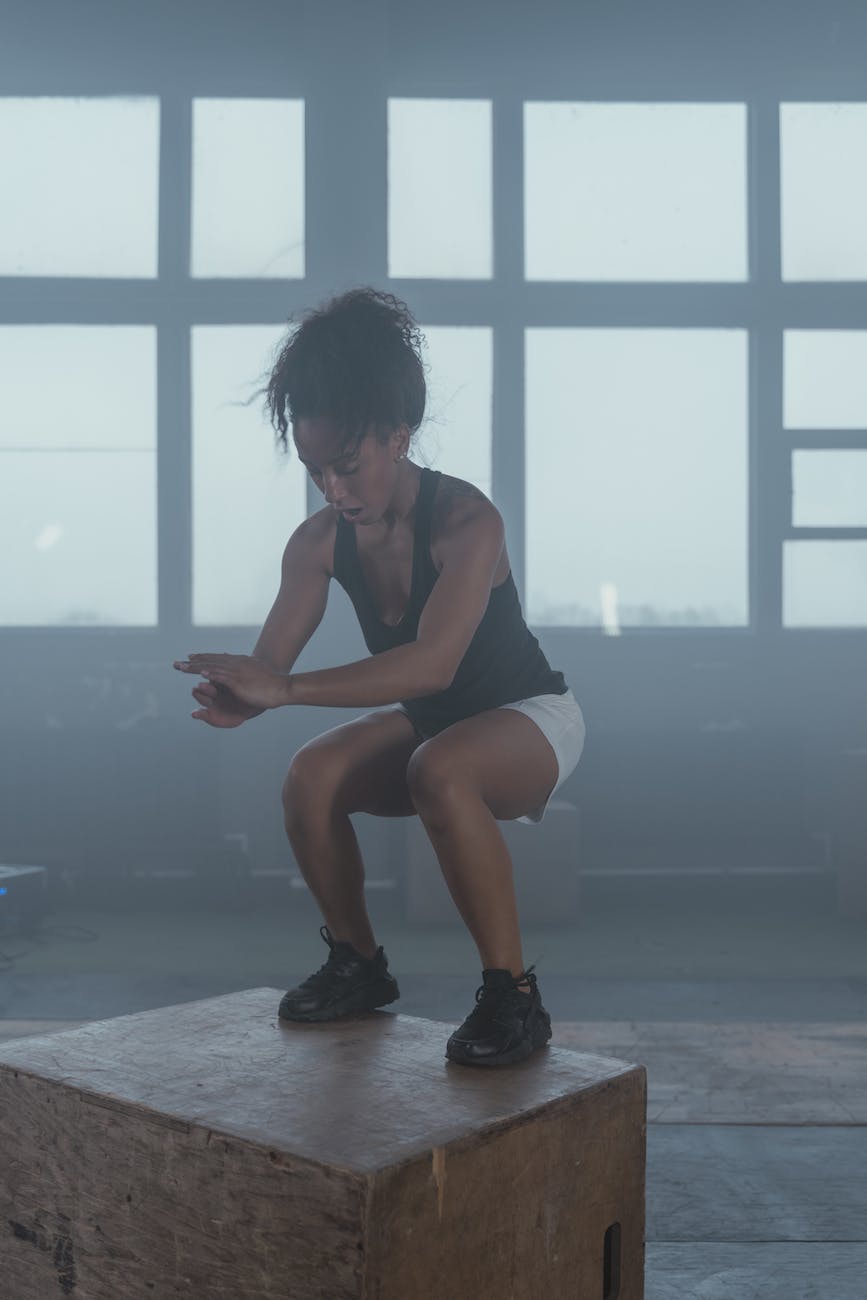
<point x="364" y="999"/>
<point x="541" y="1035"/>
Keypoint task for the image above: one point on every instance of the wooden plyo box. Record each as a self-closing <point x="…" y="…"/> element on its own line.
<point x="210" y="1151"/>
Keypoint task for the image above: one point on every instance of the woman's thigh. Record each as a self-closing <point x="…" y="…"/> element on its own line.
<point x="359" y="766"/>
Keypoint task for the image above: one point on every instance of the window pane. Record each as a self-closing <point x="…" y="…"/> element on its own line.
<point x="824" y="379"/>
<point x="77" y="475"/>
<point x="248" y="188"/>
<point x="248" y="497"/>
<point x="825" y="584"/>
<point x="79" y="181"/>
<point x="823" y="191"/>
<point x="439" y="188"/>
<point x="78" y="386"/>
<point x="829" y="489"/>
<point x="456" y="434"/>
<point x="636" y="477"/>
<point x="78" y="538"/>
<point x="635" y="191"/>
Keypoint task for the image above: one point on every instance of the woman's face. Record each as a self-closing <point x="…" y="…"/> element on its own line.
<point x="363" y="479"/>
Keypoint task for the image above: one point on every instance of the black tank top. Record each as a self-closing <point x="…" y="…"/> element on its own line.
<point x="504" y="661"/>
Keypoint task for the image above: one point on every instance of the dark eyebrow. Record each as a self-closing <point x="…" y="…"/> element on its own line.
<point x="341" y="460"/>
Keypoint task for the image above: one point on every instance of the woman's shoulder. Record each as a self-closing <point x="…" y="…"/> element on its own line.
<point x="455" y="503"/>
<point x="321" y="530"/>
<point x="455" y="499"/>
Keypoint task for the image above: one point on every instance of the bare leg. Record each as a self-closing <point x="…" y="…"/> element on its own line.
<point x="326" y="849"/>
<point x="478" y="871"/>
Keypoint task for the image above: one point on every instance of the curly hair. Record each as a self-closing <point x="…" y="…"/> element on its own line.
<point x="356" y="360"/>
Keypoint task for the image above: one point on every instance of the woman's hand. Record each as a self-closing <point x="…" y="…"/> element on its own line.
<point x="220" y="708"/>
<point x="249" y="681"/>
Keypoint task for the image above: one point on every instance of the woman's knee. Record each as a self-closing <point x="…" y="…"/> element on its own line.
<point x="429" y="773"/>
<point x="310" y="780"/>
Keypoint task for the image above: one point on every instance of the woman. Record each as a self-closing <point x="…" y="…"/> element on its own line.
<point x="469" y="723"/>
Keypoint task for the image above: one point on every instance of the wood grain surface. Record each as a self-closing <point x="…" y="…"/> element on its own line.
<point x="208" y="1149"/>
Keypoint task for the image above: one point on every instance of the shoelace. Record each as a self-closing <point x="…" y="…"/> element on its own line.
<point x="491" y="998"/>
<point x="500" y="989"/>
<point x="333" y="965"/>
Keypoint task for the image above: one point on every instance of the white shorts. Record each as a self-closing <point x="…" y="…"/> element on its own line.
<point x="561" y="722"/>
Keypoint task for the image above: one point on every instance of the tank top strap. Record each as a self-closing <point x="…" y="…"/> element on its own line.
<point x="424" y="505"/>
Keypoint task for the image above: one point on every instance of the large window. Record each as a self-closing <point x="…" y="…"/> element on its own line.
<point x="640" y="472"/>
<point x="823" y="208"/>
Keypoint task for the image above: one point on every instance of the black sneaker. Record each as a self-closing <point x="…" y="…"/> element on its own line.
<point x="506" y="1024"/>
<point x="347" y="983"/>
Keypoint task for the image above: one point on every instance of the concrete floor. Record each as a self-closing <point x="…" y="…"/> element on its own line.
<point x="749" y="1012"/>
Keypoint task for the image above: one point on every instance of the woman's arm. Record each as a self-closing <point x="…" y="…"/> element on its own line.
<point x="403" y="673"/>
<point x="300" y="603"/>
